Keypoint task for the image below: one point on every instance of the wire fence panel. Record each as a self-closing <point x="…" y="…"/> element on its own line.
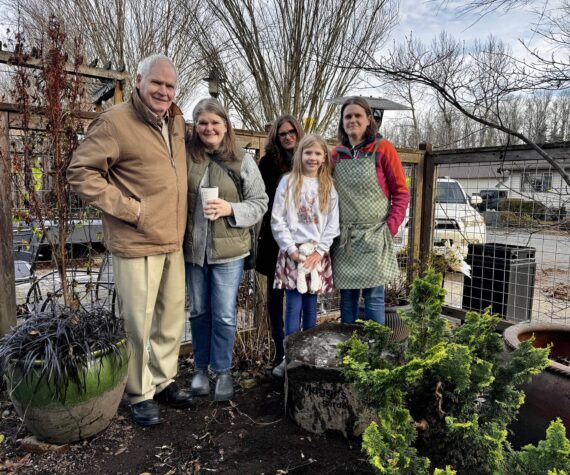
<point x="507" y="219"/>
<point x="501" y="235"/>
<point x="38" y="285"/>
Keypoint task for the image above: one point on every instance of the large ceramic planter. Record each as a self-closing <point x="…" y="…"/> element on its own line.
<point x="547" y="396"/>
<point x="83" y="413"/>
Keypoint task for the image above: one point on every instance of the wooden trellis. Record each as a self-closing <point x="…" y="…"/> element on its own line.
<point x="10" y="120"/>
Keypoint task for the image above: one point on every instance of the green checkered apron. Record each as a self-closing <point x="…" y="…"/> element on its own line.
<point x="363" y="256"/>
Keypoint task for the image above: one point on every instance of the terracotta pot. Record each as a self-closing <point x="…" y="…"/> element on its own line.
<point x="400" y="331"/>
<point x="547" y="396"/>
<point x="82" y="413"/>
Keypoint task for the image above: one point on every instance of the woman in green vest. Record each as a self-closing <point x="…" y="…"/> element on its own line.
<point x="373" y="198"/>
<point x="217" y="240"/>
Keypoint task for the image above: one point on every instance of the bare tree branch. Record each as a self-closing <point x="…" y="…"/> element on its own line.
<point x="119" y="33"/>
<point x="279" y="56"/>
<point x="476" y="83"/>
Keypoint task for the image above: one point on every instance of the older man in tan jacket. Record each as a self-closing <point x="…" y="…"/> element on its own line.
<point x="132" y="166"/>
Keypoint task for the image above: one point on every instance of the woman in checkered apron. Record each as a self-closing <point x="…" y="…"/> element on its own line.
<point x="305" y="210"/>
<point x="373" y="199"/>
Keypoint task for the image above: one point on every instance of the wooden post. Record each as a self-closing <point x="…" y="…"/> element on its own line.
<point x="117" y="96"/>
<point x="428" y="204"/>
<point x="260" y="310"/>
<point x="7" y="279"/>
<point x="415" y="232"/>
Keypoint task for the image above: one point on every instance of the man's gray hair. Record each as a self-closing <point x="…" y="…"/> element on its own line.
<point x="147" y="63"/>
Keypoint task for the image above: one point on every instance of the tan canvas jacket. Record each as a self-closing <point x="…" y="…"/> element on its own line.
<point x="124" y="159"/>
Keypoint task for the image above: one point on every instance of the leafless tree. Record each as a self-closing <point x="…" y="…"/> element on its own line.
<point x="543" y="117"/>
<point x="278" y="56"/>
<point x="535" y="124"/>
<point x="119" y="33"/>
<point x="410" y="95"/>
<point x="548" y="68"/>
<point x="475" y="82"/>
<point x="491" y="6"/>
<point x="560" y="122"/>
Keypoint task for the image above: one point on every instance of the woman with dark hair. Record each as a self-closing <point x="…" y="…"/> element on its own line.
<point x="217" y="240"/>
<point x="373" y="199"/>
<point x="282" y="140"/>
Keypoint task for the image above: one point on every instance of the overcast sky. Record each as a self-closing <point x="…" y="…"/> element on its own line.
<point x="426" y="19"/>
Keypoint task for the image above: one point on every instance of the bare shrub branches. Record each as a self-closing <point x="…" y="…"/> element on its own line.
<point x="277" y="57"/>
<point x="478" y="83"/>
<point x="119" y="33"/>
<point x="39" y="159"/>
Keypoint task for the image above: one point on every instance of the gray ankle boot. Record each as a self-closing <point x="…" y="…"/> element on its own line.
<point x="200" y="383"/>
<point x="224" y="387"/>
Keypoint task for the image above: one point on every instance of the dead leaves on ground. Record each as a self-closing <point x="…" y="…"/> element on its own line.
<point x="13" y="465"/>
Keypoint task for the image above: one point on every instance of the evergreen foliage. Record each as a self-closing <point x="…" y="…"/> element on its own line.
<point x="549" y="457"/>
<point x="444" y="403"/>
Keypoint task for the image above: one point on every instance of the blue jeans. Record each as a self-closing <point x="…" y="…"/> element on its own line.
<point x="373" y="304"/>
<point x="294" y="304"/>
<point x="212" y="290"/>
<point x="275" y="314"/>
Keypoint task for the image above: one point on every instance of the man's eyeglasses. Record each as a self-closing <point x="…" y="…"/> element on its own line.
<point x="291" y="133"/>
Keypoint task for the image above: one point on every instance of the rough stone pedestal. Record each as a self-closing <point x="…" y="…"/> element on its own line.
<point x="317" y="396"/>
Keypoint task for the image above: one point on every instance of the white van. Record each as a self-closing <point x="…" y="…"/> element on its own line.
<point x="457" y="222"/>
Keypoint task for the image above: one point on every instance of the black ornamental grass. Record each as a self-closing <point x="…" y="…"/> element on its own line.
<point x="60" y="346"/>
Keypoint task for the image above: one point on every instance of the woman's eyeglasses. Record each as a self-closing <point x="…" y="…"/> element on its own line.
<point x="291" y="133"/>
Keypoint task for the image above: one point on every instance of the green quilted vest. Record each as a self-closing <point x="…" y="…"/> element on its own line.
<point x="227" y="241"/>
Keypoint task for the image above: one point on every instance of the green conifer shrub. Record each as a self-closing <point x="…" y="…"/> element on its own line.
<point x="444" y="403"/>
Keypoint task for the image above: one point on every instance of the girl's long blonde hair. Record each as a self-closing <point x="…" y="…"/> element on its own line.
<point x="324" y="176"/>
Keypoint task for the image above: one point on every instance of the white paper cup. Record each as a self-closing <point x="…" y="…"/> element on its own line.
<point x="208" y="193"/>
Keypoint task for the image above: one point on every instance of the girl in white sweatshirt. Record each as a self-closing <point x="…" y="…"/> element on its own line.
<point x="305" y="210"/>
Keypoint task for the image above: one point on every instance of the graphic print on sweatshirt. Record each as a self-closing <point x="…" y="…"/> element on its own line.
<point x="308" y="202"/>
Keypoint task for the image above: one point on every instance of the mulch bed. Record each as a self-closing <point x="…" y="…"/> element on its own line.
<point x="249" y="435"/>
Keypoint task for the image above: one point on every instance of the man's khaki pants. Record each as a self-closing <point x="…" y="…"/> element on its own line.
<point x="151" y="292"/>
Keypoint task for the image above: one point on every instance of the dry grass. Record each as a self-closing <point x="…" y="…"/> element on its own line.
<point x="253" y="348"/>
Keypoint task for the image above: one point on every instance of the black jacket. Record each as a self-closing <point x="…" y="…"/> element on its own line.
<point x="267" y="251"/>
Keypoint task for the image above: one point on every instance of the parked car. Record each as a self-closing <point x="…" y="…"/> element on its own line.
<point x="457" y="222"/>
<point x="492" y="199"/>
